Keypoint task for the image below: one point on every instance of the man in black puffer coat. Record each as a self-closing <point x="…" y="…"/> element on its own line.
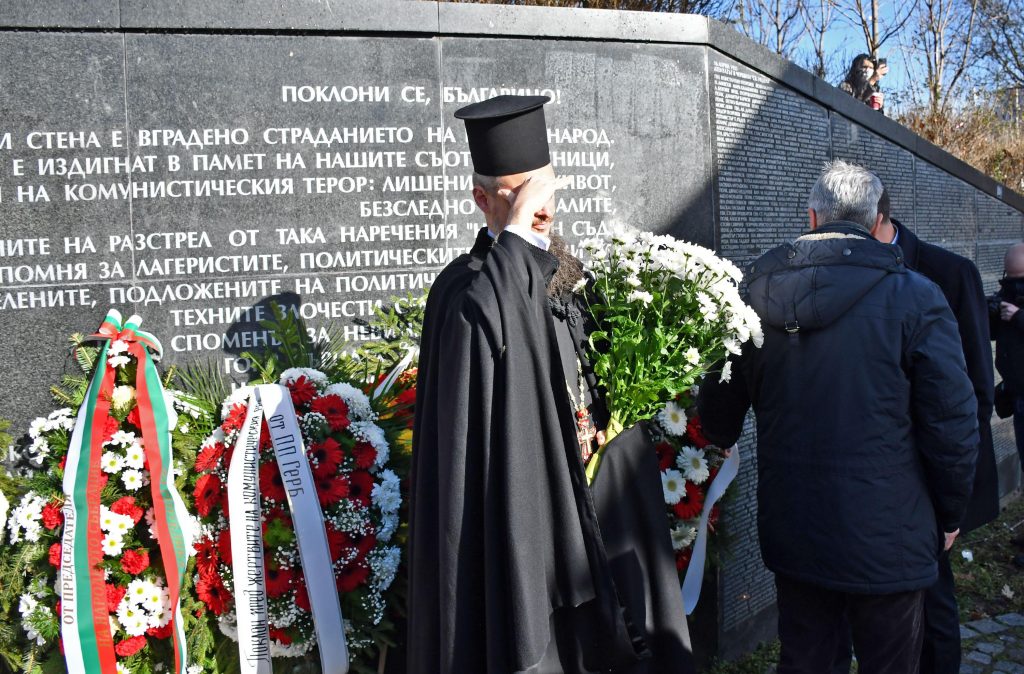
<point x="867" y="431"/>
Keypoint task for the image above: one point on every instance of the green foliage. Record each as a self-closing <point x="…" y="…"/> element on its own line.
<point x="205" y="383"/>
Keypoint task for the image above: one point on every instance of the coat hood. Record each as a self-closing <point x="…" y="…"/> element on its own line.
<point x="809" y="283"/>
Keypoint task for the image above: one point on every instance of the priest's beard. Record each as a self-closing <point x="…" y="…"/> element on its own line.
<point x="570" y="269"/>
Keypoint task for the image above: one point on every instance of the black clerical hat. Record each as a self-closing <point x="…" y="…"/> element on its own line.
<point x="507" y="134"/>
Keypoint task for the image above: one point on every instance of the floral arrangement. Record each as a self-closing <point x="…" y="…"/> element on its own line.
<point x="667" y="312"/>
<point x="349" y="447"/>
<point x="688" y="464"/>
<point x="137" y="597"/>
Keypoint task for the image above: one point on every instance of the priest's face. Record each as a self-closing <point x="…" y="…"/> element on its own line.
<point x="495" y="200"/>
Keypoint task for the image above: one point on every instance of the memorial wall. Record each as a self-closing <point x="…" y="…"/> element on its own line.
<point x="191" y="161"/>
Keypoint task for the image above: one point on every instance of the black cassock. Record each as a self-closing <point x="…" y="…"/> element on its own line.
<point x="508" y="568"/>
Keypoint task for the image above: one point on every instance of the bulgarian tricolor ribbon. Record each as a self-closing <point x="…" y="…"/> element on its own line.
<point x="85" y="622"/>
<point x="274" y="403"/>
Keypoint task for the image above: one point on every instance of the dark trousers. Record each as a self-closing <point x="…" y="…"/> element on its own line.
<point x="887" y="628"/>
<point x="1018" y="426"/>
<point x="941" y="652"/>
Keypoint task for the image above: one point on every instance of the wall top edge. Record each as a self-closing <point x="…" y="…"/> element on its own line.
<point x="439" y="19"/>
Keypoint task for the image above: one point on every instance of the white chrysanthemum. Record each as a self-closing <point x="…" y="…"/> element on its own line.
<point x="673" y="419"/>
<point x="373" y="434"/>
<point x="111" y="462"/>
<point x="134" y="457"/>
<point x="117" y="347"/>
<point x="726" y="372"/>
<point x="240" y="396"/>
<point x="672" y="485"/>
<point x="692" y="355"/>
<point x="293" y="374"/>
<point x="132" y="480"/>
<point x="26" y="518"/>
<point x="27" y="605"/>
<point x="228" y="626"/>
<point x="40" y="449"/>
<point x="580" y="285"/>
<point x="683" y="536"/>
<point x="640" y="296"/>
<point x="112" y="545"/>
<point x="120" y="439"/>
<point x="384" y="566"/>
<point x="213" y="438"/>
<point x="194" y="669"/>
<point x="5" y="507"/>
<point x="386" y="494"/>
<point x="358" y="403"/>
<point x="122" y="396"/>
<point x="388" y="527"/>
<point x="693" y="464"/>
<point x="118" y="361"/>
<point x="122" y="668"/>
<point x="37" y="427"/>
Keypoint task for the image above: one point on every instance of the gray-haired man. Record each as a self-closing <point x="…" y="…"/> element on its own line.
<point x="866" y="429"/>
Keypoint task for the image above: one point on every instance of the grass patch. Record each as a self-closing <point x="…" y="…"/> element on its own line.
<point x="992" y="584"/>
<point x="760" y="661"/>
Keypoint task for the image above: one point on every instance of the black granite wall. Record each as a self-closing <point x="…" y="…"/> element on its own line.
<point x="189" y="160"/>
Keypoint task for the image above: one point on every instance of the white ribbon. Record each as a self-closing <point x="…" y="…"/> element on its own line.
<point x="695" y="572"/>
<point x="410" y="354"/>
<point x="274" y="403"/>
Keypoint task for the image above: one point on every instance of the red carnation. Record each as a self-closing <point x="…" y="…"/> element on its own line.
<point x="209" y="456"/>
<point x="352" y="576"/>
<point x="360" y="487"/>
<point x="126" y="506"/>
<point x="224" y="546"/>
<point x="691" y="505"/>
<point x="160" y="632"/>
<point x="279" y="581"/>
<point x="134" y="418"/>
<point x="271" y="484"/>
<point x="52" y="516"/>
<point x="334" y="410"/>
<point x="212" y="592"/>
<point x="325" y="457"/>
<point x="666" y="455"/>
<point x="135" y="561"/>
<point x="63" y="462"/>
<point x="280" y="635"/>
<point x="695" y="432"/>
<point x="131" y="646"/>
<point x="235" y="418"/>
<point x="115" y="593"/>
<point x="208" y="489"/>
<point x="365" y="454"/>
<point x="55" y="555"/>
<point x="331" y="489"/>
<point x="110" y="426"/>
<point x="302" y="390"/>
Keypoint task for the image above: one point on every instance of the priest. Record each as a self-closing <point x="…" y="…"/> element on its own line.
<point x="509" y="571"/>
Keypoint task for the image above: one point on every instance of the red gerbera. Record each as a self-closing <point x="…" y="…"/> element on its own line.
<point x="666" y="455"/>
<point x="134" y="418"/>
<point x="206" y="554"/>
<point x="325" y="457"/>
<point x="52" y="516"/>
<point x="224" y="546"/>
<point x="301" y="596"/>
<point x="365" y="454"/>
<point x="208" y="490"/>
<point x="683" y="559"/>
<point x="302" y="390"/>
<point x="331" y="488"/>
<point x="235" y="418"/>
<point x="115" y="593"/>
<point x="360" y="487"/>
<point x="135" y="561"/>
<point x="365" y="545"/>
<point x="209" y="456"/>
<point x="212" y="592"/>
<point x="55" y="555"/>
<point x="271" y="484"/>
<point x="280" y="635"/>
<point x="266" y="442"/>
<point x="695" y="432"/>
<point x="334" y="409"/>
<point x="160" y="632"/>
<point x="279" y="581"/>
<point x="131" y="646"/>
<point x="352" y="576"/>
<point x="126" y="506"/>
<point x="692" y="504"/>
<point x="339" y="542"/>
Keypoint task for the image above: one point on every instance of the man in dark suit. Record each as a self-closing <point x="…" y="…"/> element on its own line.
<point x="960" y="282"/>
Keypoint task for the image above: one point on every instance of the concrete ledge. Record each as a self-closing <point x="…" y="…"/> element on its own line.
<point x="59" y="13"/>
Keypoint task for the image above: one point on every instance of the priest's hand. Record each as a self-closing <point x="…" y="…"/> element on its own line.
<point x="950" y="537"/>
<point x="533" y="202"/>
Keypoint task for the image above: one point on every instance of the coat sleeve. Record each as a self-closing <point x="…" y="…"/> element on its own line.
<point x="943" y="406"/>
<point x="971" y="313"/>
<point x="723" y="405"/>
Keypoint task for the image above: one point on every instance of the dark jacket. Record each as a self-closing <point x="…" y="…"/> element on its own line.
<point x="866" y="420"/>
<point x="960" y="282"/>
<point x="1009" y="335"/>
